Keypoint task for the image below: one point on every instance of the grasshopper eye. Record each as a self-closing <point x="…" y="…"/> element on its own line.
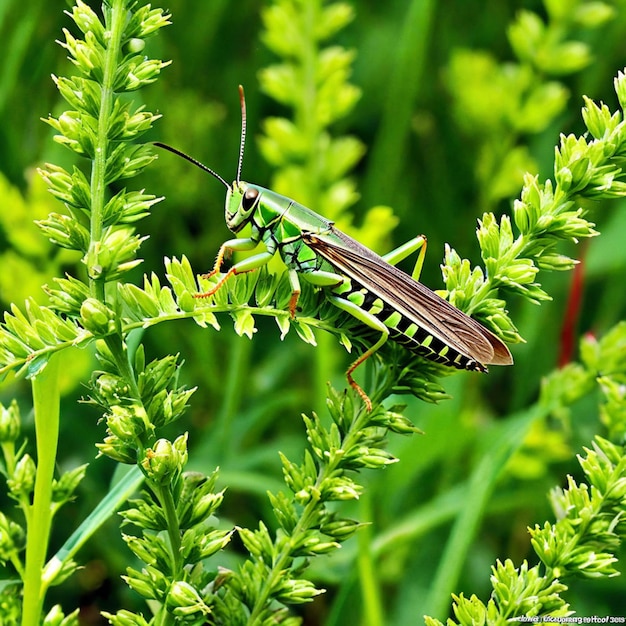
<point x="250" y="198"/>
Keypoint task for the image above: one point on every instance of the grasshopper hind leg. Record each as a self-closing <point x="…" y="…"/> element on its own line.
<point x="373" y="322"/>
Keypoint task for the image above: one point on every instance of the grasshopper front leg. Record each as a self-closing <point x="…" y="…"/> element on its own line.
<point x="247" y="265"/>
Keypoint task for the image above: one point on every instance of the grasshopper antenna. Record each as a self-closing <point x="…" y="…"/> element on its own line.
<point x="242" y="142"/>
<point x="197" y="163"/>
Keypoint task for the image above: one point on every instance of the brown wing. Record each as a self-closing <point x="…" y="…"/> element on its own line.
<point x="409" y="297"/>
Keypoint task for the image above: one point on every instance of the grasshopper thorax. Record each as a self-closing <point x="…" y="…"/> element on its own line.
<point x="242" y="201"/>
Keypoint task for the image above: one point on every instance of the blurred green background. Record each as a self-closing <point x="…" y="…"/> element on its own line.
<point x="430" y="160"/>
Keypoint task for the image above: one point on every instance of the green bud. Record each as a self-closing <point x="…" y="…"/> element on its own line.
<point x="65" y="231"/>
<point x="12" y="538"/>
<point x="59" y="181"/>
<point x="297" y="591"/>
<point x="56" y="617"/>
<point x="97" y="317"/>
<point x="593" y="564"/>
<point x="122" y="244"/>
<point x="223" y="576"/>
<point x="137" y="72"/>
<point x="596" y="118"/>
<point x="127" y="207"/>
<point x="521" y="216"/>
<point x="313" y="546"/>
<point x="142" y="582"/>
<point x="210" y="543"/>
<point x="146" y="21"/>
<point x="135" y="44"/>
<point x="125" y="618"/>
<point x="87" y="20"/>
<point x="556" y="262"/>
<point x="69" y="296"/>
<point x="22" y="483"/>
<point x="118" y="450"/>
<point x="564" y="178"/>
<point x="250" y="541"/>
<point x="340" y="529"/>
<point x="619" y="83"/>
<point x="292" y="474"/>
<point x="567" y="57"/>
<point x="205" y="506"/>
<point x="164" y="460"/>
<point x="64" y="488"/>
<point x="303" y="496"/>
<point x="375" y="458"/>
<point x="107" y="257"/>
<point x="184" y="600"/>
<point x="72" y="133"/>
<point x="111" y="388"/>
<point x="146" y="550"/>
<point x="9" y="422"/>
<point x="126" y="423"/>
<point x="85" y="56"/>
<point x="593" y="14"/>
<point x="340" y="489"/>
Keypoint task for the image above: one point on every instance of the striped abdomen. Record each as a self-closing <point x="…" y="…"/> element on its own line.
<point x="405" y="331"/>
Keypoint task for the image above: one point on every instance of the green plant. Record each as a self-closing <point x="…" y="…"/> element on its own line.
<point x="177" y="537"/>
<point x="500" y="106"/>
<point x="589" y="527"/>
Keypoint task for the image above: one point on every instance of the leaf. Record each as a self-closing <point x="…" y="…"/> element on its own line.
<point x="283" y="324"/>
<point x="244" y="323"/>
<point x="305" y="333"/>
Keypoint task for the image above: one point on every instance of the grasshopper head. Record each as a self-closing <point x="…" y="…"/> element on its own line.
<point x="242" y="201"/>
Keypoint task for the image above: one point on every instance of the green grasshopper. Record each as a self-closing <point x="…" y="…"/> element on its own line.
<point x="358" y="281"/>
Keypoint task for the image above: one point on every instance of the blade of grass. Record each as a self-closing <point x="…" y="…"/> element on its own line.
<point x="506" y="438"/>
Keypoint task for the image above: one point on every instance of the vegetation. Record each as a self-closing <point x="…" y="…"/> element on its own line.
<point x="232" y="508"/>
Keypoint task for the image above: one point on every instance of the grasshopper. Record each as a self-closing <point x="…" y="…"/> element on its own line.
<point x="358" y="281"/>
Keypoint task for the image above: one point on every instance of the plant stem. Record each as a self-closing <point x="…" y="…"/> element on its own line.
<point x="283" y="557"/>
<point x="173" y="526"/>
<point x="117" y="19"/>
<point x="46" y="398"/>
<point x="373" y="614"/>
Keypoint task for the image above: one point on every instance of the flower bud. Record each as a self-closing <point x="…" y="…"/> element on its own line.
<point x="96" y="317"/>
<point x="125" y="618"/>
<point x="297" y="591"/>
<point x="184" y="600"/>
<point x="12" y="538"/>
<point x="127" y="423"/>
<point x="163" y="460"/>
<point x="22" y="483"/>
<point x="9" y="422"/>
<point x="118" y="450"/>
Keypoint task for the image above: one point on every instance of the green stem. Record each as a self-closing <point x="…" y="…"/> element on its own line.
<point x="370" y="589"/>
<point x="236" y="380"/>
<point x="116" y="19"/>
<point x="173" y="527"/>
<point x="309" y="515"/>
<point x="120" y="354"/>
<point x="46" y="398"/>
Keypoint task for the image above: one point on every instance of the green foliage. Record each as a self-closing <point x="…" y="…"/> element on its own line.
<point x="589" y="529"/>
<point x="181" y="567"/>
<point x="583" y="542"/>
<point x="309" y="164"/>
<point x="499" y="105"/>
